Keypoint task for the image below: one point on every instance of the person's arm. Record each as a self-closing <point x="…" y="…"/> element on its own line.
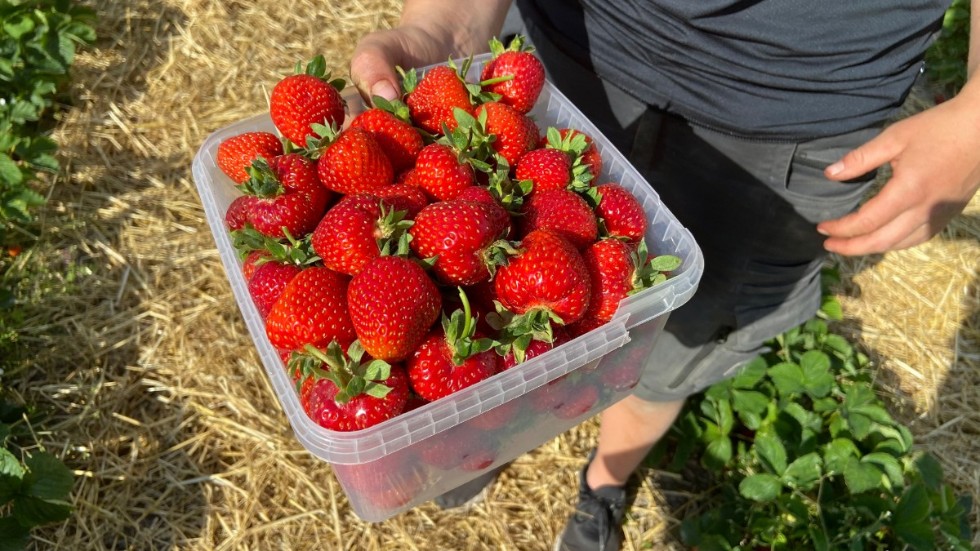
<point x="935" y="161"/>
<point x="429" y="31"/>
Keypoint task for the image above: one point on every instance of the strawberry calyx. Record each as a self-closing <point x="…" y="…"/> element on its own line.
<point x="317" y="67"/>
<point x="349" y="372"/>
<point x="460" y="330"/>
<point x="509" y="193"/>
<point x="391" y="231"/>
<point x="516" y="44"/>
<point x="469" y="140"/>
<point x="516" y="331"/>
<point x="262" y="181"/>
<point x="396" y="107"/>
<point x="317" y="142"/>
<point x="294" y="251"/>
<point x="651" y="271"/>
<point x="574" y="145"/>
<point x="497" y="254"/>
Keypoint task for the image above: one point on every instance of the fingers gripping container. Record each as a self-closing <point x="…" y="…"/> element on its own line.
<point x="408" y="460"/>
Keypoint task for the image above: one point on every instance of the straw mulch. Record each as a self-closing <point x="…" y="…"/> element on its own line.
<point x="160" y="404"/>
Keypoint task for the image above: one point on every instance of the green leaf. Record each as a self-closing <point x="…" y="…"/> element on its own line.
<point x="33" y="511"/>
<point x="771" y="451"/>
<point x="751" y="374"/>
<point x="47" y="477"/>
<point x="9" y="171"/>
<point x="818" y="380"/>
<point x="804" y="471"/>
<point x="718" y="453"/>
<point x="831" y="308"/>
<point x="918" y="535"/>
<point x="819" y="539"/>
<point x="914" y="506"/>
<point x="930" y="470"/>
<point x="18" y="26"/>
<point x="788" y="378"/>
<point x="891" y="466"/>
<point x="861" y="477"/>
<point x="13" y="536"/>
<point x="760" y="487"/>
<point x="11" y="475"/>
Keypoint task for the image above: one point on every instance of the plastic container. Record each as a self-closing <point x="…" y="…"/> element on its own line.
<point x="396" y="465"/>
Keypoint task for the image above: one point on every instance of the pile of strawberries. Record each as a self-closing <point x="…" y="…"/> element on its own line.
<point x="427" y="243"/>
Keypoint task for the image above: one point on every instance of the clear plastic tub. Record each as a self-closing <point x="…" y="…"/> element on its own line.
<point x="401" y="463"/>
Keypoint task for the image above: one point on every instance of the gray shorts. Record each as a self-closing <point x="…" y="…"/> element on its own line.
<point x="752" y="207"/>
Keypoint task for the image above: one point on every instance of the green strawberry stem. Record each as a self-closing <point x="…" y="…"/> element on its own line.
<point x="351" y="376"/>
<point x="459" y="329"/>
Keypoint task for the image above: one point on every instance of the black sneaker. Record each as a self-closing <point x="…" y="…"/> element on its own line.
<point x="596" y="524"/>
<point x="468" y="494"/>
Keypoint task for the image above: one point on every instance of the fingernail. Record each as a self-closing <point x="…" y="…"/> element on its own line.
<point x="384" y="89"/>
<point x="835" y="168"/>
<point x="822" y="231"/>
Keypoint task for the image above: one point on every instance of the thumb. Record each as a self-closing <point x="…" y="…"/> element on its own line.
<point x="865" y="158"/>
<point x="372" y="72"/>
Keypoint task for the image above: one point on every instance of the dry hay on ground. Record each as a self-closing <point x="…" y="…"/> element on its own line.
<point x="162" y="407"/>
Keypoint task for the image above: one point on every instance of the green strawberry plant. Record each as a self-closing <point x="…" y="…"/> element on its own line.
<point x="946" y="58"/>
<point x="37" y="48"/>
<point x="34" y="485"/>
<point x="805" y="455"/>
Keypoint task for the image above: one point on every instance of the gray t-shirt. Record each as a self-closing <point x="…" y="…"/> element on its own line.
<point x="776" y="69"/>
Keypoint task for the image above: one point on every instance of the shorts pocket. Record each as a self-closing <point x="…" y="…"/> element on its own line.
<point x="814" y="196"/>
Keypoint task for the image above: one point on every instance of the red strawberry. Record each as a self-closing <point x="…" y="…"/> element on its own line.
<point x="452" y="357"/>
<point x="237" y="152"/>
<point x="460" y="447"/>
<point x="589" y="155"/>
<point x="618" y="269"/>
<point x="442" y="171"/>
<point x="576" y="400"/>
<point x="611" y="269"/>
<point x="516" y="74"/>
<point x="621" y="213"/>
<point x="392" y="303"/>
<point x="460" y="236"/>
<point x="268" y="282"/>
<point x="253" y="260"/>
<point x="343" y="393"/>
<point x="405" y="197"/>
<point x="299" y="101"/>
<point x="547" y="275"/>
<point x="237" y="214"/>
<point x="311" y="310"/>
<point x="357" y="229"/>
<point x="562" y="211"/>
<point x="386" y="484"/>
<point x="433" y="99"/>
<point x="545" y="168"/>
<point x="388" y="123"/>
<point x="515" y="133"/>
<point x="289" y="199"/>
<point x="353" y="162"/>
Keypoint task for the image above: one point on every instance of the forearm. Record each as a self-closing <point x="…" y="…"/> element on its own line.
<point x="463" y="28"/>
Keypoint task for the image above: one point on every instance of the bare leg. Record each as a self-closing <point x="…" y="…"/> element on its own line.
<point x="628" y="431"/>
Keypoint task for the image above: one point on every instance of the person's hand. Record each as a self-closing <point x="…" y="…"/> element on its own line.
<point x="935" y="161"/>
<point x="372" y="66"/>
<point x="429" y="31"/>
